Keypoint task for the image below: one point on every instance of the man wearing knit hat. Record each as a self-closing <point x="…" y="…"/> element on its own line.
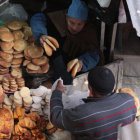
<point x="76" y="36"/>
<point x="101" y="114"/>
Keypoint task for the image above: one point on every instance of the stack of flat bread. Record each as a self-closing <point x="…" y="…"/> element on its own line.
<point x="6" y="44"/>
<point x="12" y="84"/>
<point x="35" y="61"/>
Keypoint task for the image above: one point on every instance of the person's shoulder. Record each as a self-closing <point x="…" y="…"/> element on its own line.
<point x="125" y="95"/>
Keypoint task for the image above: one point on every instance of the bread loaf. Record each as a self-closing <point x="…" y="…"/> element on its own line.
<point x="5" y="46"/>
<point x="3" y="29"/>
<point x="40" y="61"/>
<point x="31" y="66"/>
<point x="18" y="35"/>
<point x="74" y="70"/>
<point x="6" y="36"/>
<point x="53" y="41"/>
<point x="48" y="49"/>
<point x="20" y="45"/>
<point x="35" y="51"/>
<point x="71" y="64"/>
<point x="6" y="56"/>
<point x="14" y="25"/>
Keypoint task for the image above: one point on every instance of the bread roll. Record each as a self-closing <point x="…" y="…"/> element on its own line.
<point x="19" y="55"/>
<point x="6" y="56"/>
<point x="40" y="61"/>
<point x="24" y="92"/>
<point x="48" y="49"/>
<point x="50" y="44"/>
<point x="8" y="101"/>
<point x="5" y="46"/>
<point x="71" y="64"/>
<point x="28" y="100"/>
<point x="5" y="64"/>
<point x="6" y="36"/>
<point x="15" y="66"/>
<point x="35" y="51"/>
<point x="31" y="66"/>
<point x="26" y="62"/>
<point x="16" y="61"/>
<point x="33" y="71"/>
<point x="3" y="29"/>
<point x="53" y="41"/>
<point x="20" y="45"/>
<point x="75" y="69"/>
<point x="14" y="25"/>
<point x="9" y="51"/>
<point x="45" y="68"/>
<point x="5" y="71"/>
<point x="18" y="35"/>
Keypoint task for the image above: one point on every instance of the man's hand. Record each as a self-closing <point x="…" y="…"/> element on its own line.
<point x="43" y="39"/>
<point x="60" y="86"/>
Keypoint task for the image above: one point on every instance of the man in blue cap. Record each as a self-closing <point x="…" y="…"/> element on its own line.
<point x="77" y="38"/>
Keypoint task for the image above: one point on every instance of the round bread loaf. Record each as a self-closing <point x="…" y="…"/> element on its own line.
<point x="31" y="66"/>
<point x="5" y="71"/>
<point x="5" y="64"/>
<point x="18" y="35"/>
<point x="35" y="51"/>
<point x="33" y="71"/>
<point x="40" y="61"/>
<point x="20" y="45"/>
<point x="26" y="62"/>
<point x="4" y="29"/>
<point x="15" y="66"/>
<point x="24" y="92"/>
<point x="14" y="25"/>
<point x="9" y="51"/>
<point x="17" y="61"/>
<point x="19" y="55"/>
<point x="6" y="36"/>
<point x="45" y="68"/>
<point x="6" y="56"/>
<point x="5" y="46"/>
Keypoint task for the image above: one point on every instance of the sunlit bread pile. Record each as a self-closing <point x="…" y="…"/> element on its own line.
<point x="35" y="61"/>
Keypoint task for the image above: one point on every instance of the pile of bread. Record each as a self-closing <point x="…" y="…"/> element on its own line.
<point x="12" y="84"/>
<point x="34" y="100"/>
<point x="35" y="61"/>
<point x="12" y="45"/>
<point x="28" y="126"/>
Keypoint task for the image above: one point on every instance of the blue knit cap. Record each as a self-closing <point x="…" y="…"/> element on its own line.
<point x="78" y="9"/>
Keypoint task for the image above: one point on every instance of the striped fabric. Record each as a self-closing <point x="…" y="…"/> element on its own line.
<point x="97" y="119"/>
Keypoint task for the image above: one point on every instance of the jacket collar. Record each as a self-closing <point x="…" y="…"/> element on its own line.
<point x="93" y="99"/>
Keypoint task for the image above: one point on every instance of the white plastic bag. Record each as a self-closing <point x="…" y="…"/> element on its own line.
<point x="14" y="12"/>
<point x="72" y="97"/>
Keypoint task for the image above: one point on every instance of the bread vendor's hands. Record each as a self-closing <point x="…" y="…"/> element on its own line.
<point x="60" y="87"/>
<point x="42" y="39"/>
<point x="49" y="44"/>
<point x="74" y="66"/>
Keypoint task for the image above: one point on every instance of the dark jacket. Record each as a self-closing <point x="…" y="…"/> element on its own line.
<point x="97" y="119"/>
<point x="83" y="46"/>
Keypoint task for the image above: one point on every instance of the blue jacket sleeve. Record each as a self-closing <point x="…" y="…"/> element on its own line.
<point x="90" y="60"/>
<point x="38" y="25"/>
